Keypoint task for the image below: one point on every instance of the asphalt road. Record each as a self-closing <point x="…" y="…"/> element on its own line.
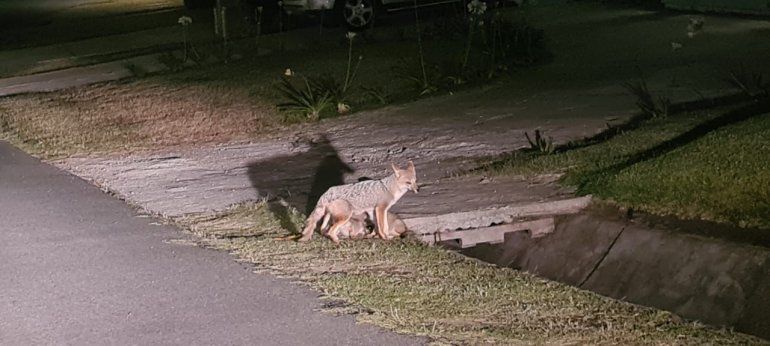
<point x="78" y="266"/>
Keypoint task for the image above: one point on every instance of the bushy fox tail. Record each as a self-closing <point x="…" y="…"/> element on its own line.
<point x="312" y="222"/>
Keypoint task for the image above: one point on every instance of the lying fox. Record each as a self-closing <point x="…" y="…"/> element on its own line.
<point x="372" y="198"/>
<point x="359" y="227"/>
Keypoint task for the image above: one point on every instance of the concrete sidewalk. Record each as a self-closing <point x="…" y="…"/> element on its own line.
<point x="81" y="267"/>
<point x="26" y="61"/>
<point x="78" y="63"/>
<point x="79" y="76"/>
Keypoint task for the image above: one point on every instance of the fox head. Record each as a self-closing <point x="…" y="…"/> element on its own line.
<point x="406" y="178"/>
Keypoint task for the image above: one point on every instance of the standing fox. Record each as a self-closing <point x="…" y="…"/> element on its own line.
<point x="371" y="198"/>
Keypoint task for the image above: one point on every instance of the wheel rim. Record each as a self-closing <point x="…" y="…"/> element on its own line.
<point x="358" y="13"/>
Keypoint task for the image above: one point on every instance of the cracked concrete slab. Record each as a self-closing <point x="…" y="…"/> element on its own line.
<point x="79" y="76"/>
<point x="495" y="216"/>
<point x="443" y="135"/>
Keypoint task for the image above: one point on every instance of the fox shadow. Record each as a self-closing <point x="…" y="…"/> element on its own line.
<point x="298" y="180"/>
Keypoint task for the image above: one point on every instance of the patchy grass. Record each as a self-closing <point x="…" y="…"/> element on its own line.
<point x="411" y="288"/>
<point x="724" y="177"/>
<point x="719" y="176"/>
<point x="119" y="118"/>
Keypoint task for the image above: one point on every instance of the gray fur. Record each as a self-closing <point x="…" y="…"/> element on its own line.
<point x="362" y="196"/>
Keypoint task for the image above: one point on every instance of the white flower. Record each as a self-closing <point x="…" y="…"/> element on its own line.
<point x="350" y="35"/>
<point x="477" y="7"/>
<point x="695" y="26"/>
<point x="288" y="72"/>
<point x="184" y="20"/>
<point x="696" y="23"/>
<point x="676" y="46"/>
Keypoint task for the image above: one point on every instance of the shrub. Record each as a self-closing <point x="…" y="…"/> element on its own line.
<point x="306" y="100"/>
<point x="540" y="144"/>
<point x="422" y="77"/>
<point x="647" y="103"/>
<point x="749" y="83"/>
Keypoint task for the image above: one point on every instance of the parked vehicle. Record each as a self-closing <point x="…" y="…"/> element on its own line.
<point x="357" y="15"/>
<point x="246" y="10"/>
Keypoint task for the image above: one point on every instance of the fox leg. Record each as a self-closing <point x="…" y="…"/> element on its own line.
<point x="312" y="222"/>
<point x="381" y="214"/>
<point x="339" y="221"/>
<point x="340" y="211"/>
<point x="325" y="222"/>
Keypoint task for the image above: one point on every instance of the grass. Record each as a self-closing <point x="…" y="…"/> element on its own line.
<point x="718" y="176"/>
<point x="411" y="288"/>
<point x="116" y="118"/>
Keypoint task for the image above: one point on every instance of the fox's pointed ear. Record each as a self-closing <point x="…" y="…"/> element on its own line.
<point x="410" y="166"/>
<point x="395" y="169"/>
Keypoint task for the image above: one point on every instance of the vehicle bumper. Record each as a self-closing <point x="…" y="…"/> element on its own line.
<point x="299" y="6"/>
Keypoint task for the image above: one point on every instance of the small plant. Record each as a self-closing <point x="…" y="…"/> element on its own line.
<point x="327" y="84"/>
<point x="171" y="61"/>
<point x="4" y="125"/>
<point x="491" y="43"/>
<point x="349" y="75"/>
<point x="695" y="26"/>
<point x="305" y="100"/>
<point x="450" y="27"/>
<point x="422" y="77"/>
<point x="189" y="50"/>
<point x="425" y="86"/>
<point x="379" y="94"/>
<point x="135" y="69"/>
<point x="504" y="42"/>
<point x="259" y="11"/>
<point x="647" y="103"/>
<point x="282" y="44"/>
<point x="338" y="92"/>
<point x="518" y="43"/>
<point x="750" y="84"/>
<point x="454" y="74"/>
<point x="540" y="144"/>
<point x="476" y="10"/>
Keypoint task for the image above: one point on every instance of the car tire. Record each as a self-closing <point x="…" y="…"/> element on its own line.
<point x="357" y="15"/>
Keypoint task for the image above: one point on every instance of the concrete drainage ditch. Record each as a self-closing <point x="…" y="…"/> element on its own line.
<point x="710" y="280"/>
